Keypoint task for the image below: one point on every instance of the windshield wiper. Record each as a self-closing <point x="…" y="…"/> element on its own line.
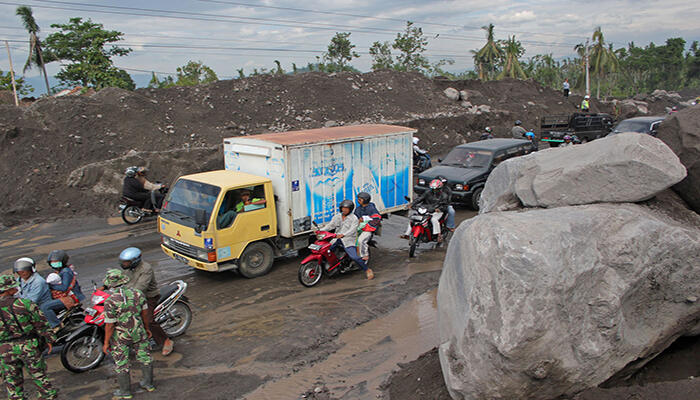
<point x="180" y="214"/>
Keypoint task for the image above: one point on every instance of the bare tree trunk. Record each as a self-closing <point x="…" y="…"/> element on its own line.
<point x="43" y="68"/>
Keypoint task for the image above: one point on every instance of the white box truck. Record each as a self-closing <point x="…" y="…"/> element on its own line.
<point x="274" y="186"/>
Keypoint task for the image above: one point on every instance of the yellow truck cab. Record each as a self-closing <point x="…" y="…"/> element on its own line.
<point x="275" y="186"/>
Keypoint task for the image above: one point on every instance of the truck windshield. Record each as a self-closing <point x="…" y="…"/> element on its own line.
<point x="632" y="126"/>
<point x="468" y="158"/>
<point x="186" y="197"/>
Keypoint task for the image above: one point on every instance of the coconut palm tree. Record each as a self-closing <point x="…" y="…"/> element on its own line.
<point x="603" y="58"/>
<point x="511" y="66"/>
<point x="36" y="55"/>
<point x="490" y="55"/>
<point x="478" y="65"/>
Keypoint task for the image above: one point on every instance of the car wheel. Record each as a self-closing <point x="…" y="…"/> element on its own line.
<point x="476" y="196"/>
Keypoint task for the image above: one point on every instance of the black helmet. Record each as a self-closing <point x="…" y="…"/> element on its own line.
<point x="131" y="171"/>
<point x="346" y="204"/>
<point x="24" y="264"/>
<point x="518" y="122"/>
<point x="57" y="256"/>
<point x="366" y="197"/>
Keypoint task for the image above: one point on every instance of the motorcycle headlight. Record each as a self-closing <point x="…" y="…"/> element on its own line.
<point x="97" y="300"/>
<point x="422" y="210"/>
<point x="421" y="182"/>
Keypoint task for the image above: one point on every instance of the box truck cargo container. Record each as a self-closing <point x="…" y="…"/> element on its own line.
<point x="292" y="179"/>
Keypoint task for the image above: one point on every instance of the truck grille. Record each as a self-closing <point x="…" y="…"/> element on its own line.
<point x="182" y="248"/>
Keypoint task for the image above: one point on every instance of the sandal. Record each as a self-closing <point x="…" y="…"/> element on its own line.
<point x="168" y="347"/>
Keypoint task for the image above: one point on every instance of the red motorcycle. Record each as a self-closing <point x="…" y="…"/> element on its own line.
<point x="324" y="260"/>
<point x="422" y="229"/>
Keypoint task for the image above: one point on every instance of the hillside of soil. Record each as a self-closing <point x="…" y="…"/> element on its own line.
<point x="44" y="146"/>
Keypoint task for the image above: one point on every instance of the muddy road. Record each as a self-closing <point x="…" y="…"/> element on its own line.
<point x="266" y="338"/>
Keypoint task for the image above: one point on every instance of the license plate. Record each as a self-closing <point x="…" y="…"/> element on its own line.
<point x="314" y="246"/>
<point x="90" y="311"/>
<point x="180" y="258"/>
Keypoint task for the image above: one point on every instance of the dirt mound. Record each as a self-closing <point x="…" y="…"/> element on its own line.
<point x="41" y="145"/>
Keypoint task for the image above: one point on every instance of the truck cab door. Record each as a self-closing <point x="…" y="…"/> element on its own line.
<point x="238" y="224"/>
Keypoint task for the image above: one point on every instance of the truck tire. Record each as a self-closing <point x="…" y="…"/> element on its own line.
<point x="475" y="198"/>
<point x="256" y="260"/>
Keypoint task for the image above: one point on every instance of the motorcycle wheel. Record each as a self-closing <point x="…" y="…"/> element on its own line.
<point x="178" y="320"/>
<point x="412" y="244"/>
<point x="310" y="273"/>
<point x="82" y="353"/>
<point x="132" y="215"/>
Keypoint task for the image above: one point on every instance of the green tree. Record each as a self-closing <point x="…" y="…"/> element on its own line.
<point x="241" y="74"/>
<point x="23" y="88"/>
<point x="340" y="52"/>
<point x="82" y="44"/>
<point x="158" y="84"/>
<point x="545" y="70"/>
<point x="488" y="58"/>
<point x="381" y="55"/>
<point x="411" y="44"/>
<point x="602" y="58"/>
<point x="511" y="65"/>
<point x="36" y="53"/>
<point x="195" y="73"/>
<point x="278" y="68"/>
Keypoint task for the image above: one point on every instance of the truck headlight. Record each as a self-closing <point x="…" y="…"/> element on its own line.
<point x="421" y="182"/>
<point x="202" y="254"/>
<point x="459" y="186"/>
<point x="166" y="240"/>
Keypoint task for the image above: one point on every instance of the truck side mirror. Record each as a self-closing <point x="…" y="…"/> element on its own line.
<point x="200" y="220"/>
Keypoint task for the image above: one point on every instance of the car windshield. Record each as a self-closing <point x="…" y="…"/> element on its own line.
<point x="632" y="126"/>
<point x="468" y="158"/>
<point x="186" y="197"/>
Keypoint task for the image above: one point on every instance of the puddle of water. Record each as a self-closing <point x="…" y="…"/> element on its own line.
<point x="370" y="353"/>
<point x="10" y="243"/>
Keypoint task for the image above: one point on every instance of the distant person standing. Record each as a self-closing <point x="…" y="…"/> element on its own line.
<point x="566" y="88"/>
<point x="585" y="104"/>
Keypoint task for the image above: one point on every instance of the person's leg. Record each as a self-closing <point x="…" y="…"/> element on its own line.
<point x="352" y="253"/>
<point x="142" y="198"/>
<point x="48" y="308"/>
<point x="143" y="355"/>
<point x="363" y="244"/>
<point x="36" y="366"/>
<point x="450" y="222"/>
<point x="12" y="374"/>
<point x="435" y="219"/>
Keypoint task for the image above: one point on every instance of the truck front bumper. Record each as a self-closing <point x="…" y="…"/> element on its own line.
<point x="205" y="266"/>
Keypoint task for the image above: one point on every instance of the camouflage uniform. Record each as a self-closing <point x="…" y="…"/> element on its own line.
<point x="21" y="325"/>
<point x="123" y="309"/>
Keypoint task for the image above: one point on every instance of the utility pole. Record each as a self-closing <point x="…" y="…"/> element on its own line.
<point x="588" y="78"/>
<point x="12" y="73"/>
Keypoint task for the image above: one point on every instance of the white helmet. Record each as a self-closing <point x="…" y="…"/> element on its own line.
<point x="587" y="97"/>
<point x="415" y="140"/>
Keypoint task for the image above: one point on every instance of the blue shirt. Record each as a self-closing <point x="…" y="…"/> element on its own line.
<point x="35" y="289"/>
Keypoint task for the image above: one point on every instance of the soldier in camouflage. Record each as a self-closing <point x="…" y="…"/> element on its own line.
<point x="22" y="331"/>
<point x="126" y="330"/>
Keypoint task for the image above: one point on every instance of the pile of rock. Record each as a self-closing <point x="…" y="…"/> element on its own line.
<point x="463" y="96"/>
<point x="564" y="279"/>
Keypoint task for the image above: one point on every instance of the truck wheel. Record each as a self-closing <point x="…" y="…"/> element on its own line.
<point x="256" y="260"/>
<point x="475" y="199"/>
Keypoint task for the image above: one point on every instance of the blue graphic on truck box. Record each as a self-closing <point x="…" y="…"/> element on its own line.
<point x="380" y="167"/>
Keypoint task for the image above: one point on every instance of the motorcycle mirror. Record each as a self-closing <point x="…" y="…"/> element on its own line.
<point x="200" y="220"/>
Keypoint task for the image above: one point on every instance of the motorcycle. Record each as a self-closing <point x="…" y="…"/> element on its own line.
<point x="421" y="162"/>
<point x="132" y="211"/>
<point x="323" y="260"/>
<point x="71" y="320"/>
<point x="83" y="349"/>
<point x="422" y="229"/>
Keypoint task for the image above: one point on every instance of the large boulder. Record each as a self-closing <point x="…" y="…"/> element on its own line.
<point x="627" y="167"/>
<point x="681" y="132"/>
<point x="547" y="302"/>
<point x="452" y="94"/>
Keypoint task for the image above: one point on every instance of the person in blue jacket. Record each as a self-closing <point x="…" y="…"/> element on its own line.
<point x="370" y="220"/>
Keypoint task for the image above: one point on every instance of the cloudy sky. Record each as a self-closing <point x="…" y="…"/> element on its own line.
<point x="232" y="34"/>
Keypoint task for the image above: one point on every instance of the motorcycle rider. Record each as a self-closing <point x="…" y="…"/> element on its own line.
<point x="436" y="198"/>
<point x="517" y="131"/>
<point x="420" y="156"/>
<point x="142" y="277"/>
<point x="58" y="261"/>
<point x="370" y="220"/>
<point x="32" y="286"/>
<point x="126" y="321"/>
<point x="345" y="224"/>
<point x="531" y="137"/>
<point x="568" y="141"/>
<point x="450" y="220"/>
<point x="487" y="134"/>
<point x="137" y="187"/>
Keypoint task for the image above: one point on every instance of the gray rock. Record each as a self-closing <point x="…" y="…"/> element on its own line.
<point x="330" y="123"/>
<point x="463" y="95"/>
<point x="547" y="302"/>
<point x="452" y="94"/>
<point x="627" y="167"/>
<point x="681" y="132"/>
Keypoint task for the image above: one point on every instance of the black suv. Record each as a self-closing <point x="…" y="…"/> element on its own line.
<point x="467" y="166"/>
<point x="585" y="126"/>
<point x="647" y="125"/>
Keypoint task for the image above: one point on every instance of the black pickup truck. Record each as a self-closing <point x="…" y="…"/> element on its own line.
<point x="585" y="126"/>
